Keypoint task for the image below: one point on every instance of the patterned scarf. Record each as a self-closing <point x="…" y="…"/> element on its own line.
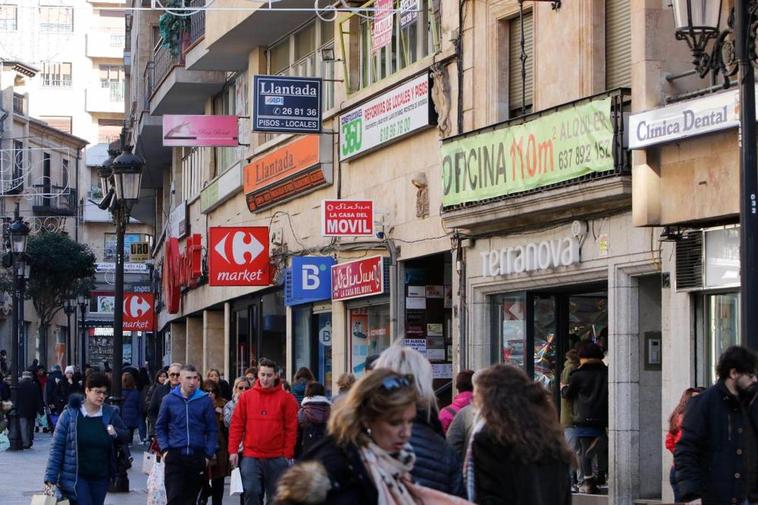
<point x="389" y="471"/>
<point x="469" y="472"/>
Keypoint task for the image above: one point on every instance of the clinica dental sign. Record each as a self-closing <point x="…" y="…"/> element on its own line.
<point x="544" y="255"/>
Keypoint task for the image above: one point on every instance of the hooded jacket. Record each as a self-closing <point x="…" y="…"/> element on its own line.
<point x="311" y="422"/>
<point x="448" y="413"/>
<point x="187" y="424"/>
<point x="63" y="462"/>
<point x="267" y="421"/>
<point x="588" y="389"/>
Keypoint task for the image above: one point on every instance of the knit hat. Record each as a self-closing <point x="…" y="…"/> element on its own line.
<point x="69" y="369"/>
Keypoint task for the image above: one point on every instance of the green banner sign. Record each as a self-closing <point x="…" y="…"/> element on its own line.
<point x="554" y="148"/>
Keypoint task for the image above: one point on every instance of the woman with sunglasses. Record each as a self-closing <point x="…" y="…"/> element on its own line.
<point x="241" y="384"/>
<point x="218" y="468"/>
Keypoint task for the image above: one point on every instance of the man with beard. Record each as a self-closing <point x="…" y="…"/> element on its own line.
<point x="717" y="457"/>
<point x="160" y="392"/>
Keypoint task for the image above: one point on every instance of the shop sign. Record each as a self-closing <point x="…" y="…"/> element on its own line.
<point x="389" y="117"/>
<point x="289" y="171"/>
<point x="286" y="104"/>
<point x="347" y="218"/>
<point x="139" y="252"/>
<point x="507" y="159"/>
<point x="181" y="270"/>
<point x="310" y="279"/>
<point x="384" y="23"/>
<point x="356" y="279"/>
<point x="129" y="268"/>
<point x="200" y="131"/>
<point x="221" y="189"/>
<point x="177" y="221"/>
<point x="139" y="312"/>
<point x="533" y="256"/>
<point x="408" y="12"/>
<point x="239" y="256"/>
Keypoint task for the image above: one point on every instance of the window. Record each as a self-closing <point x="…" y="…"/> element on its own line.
<point x="8" y="18"/>
<point x="193" y="161"/>
<point x="112" y="78"/>
<point x="224" y="104"/>
<point x="64" y="173"/>
<point x="407" y="37"/>
<point x="56" y="74"/>
<point x="18" y="165"/>
<point x="108" y="130"/>
<point x="62" y="123"/>
<point x="618" y="44"/>
<point x="520" y="92"/>
<point x="56" y="19"/>
<point x="369" y="329"/>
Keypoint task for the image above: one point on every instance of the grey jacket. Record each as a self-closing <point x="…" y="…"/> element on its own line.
<point x="459" y="432"/>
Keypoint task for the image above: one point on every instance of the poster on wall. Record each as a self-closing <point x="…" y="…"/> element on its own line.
<point x="358" y="327"/>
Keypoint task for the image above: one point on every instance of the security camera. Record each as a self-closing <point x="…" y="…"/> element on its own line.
<point x="380" y="235"/>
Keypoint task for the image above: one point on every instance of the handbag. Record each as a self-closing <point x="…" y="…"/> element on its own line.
<point x="156" y="488"/>
<point x="148" y="460"/>
<point x="43" y="499"/>
<point x="235" y="483"/>
<point x="428" y="496"/>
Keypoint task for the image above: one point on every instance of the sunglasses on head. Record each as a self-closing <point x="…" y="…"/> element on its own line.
<point x="397" y="382"/>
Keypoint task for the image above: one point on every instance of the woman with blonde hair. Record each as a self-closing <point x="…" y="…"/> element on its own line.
<point x="241" y="384"/>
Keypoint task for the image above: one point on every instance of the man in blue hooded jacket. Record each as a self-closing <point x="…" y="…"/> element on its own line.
<point x="186" y="430"/>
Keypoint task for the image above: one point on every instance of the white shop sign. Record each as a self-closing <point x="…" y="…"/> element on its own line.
<point x="542" y="255"/>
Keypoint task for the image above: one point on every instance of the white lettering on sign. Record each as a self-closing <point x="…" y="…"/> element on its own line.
<point x="310" y="277"/>
<point x="534" y="256"/>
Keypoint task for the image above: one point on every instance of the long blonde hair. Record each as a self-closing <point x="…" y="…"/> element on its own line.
<point x="369" y="399"/>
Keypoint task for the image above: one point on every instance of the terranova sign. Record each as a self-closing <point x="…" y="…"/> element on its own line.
<point x="388" y="117"/>
<point x="507" y="159"/>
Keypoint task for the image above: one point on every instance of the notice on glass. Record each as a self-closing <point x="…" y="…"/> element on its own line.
<point x="415" y="303"/>
<point x="416" y="292"/>
<point x="435" y="354"/>
<point x="419" y="344"/>
<point x="442" y="370"/>
<point x="434" y="329"/>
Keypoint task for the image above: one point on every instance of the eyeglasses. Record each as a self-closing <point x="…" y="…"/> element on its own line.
<point x="242" y="388"/>
<point x="99" y="392"/>
<point x="397" y="382"/>
<point x="173" y="375"/>
<point x="209" y="391"/>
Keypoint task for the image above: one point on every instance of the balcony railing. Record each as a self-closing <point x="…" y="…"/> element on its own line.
<point x="163" y="61"/>
<point x="197" y="22"/>
<point x="18" y="103"/>
<point x="54" y="200"/>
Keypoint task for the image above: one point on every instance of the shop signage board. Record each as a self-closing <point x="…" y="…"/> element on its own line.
<point x="286" y="104"/>
<point x="544" y="255"/>
<point x="177" y="221"/>
<point x="239" y="256"/>
<point x="507" y="159"/>
<point x="347" y="218"/>
<point x="129" y="268"/>
<point x="139" y="312"/>
<point x="139" y="252"/>
<point x="357" y="279"/>
<point x="224" y="187"/>
<point x="200" y="131"/>
<point x="384" y="21"/>
<point x="707" y="114"/>
<point x="408" y="12"/>
<point x="310" y="279"/>
<point x="387" y="118"/>
<point x="291" y="170"/>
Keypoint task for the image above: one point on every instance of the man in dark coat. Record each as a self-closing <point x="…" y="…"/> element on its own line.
<point x="159" y="393"/>
<point x="717" y="457"/>
<point x="28" y="405"/>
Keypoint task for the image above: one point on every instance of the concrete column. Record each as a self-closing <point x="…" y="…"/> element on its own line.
<point x="227" y="341"/>
<point x="340" y="344"/>
<point x="178" y="342"/>
<point x="213" y="339"/>
<point x="194" y="353"/>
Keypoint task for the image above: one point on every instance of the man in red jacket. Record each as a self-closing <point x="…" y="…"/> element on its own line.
<point x="265" y="421"/>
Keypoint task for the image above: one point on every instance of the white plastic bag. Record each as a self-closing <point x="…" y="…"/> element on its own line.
<point x="235" y="483"/>
<point x="148" y="461"/>
<point x="156" y="489"/>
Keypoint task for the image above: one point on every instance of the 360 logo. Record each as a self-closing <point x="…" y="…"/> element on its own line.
<point x="352" y="136"/>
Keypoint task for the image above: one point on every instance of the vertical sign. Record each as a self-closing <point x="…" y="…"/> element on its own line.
<point x="381" y="35"/>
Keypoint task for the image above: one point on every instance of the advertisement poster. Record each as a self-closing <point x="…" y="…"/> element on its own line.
<point x="200" y="131"/>
<point x="109" y="252"/>
<point x="358" y="327"/>
<point x="418" y="344"/>
<point x="286" y="104"/>
<point x="384" y="20"/>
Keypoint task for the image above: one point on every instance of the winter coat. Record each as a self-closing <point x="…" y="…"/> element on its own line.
<point x="131" y="410"/>
<point x="567" y="406"/>
<point x="267" y="419"/>
<point x="187" y="424"/>
<point x="63" y="462"/>
<point x="437" y="465"/>
<point x="459" y="432"/>
<point x="448" y="413"/>
<point x="588" y="389"/>
<point x="225" y="389"/>
<point x="499" y="478"/>
<point x="156" y="399"/>
<point x="28" y="399"/>
<point x="311" y="422"/>
<point x="716" y="457"/>
<point x="229" y="410"/>
<point x="673" y="437"/>
<point x="219" y="466"/>
<point x="298" y="390"/>
<point x="53" y="379"/>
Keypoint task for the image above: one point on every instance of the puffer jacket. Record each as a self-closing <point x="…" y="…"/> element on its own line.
<point x="588" y="389"/>
<point x="63" y="462"/>
<point x="132" y="408"/>
<point x="437" y="465"/>
<point x="187" y="424"/>
<point x="311" y="422"/>
<point x="447" y="414"/>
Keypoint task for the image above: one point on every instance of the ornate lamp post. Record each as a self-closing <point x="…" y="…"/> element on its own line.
<point x="69" y="307"/>
<point x="19" y="231"/>
<point x="82" y="301"/>
<point x="733" y="51"/>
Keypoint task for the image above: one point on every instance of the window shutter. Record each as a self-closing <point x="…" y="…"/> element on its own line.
<point x="515" y="85"/>
<point x="618" y="44"/>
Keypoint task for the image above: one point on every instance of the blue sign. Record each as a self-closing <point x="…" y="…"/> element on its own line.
<point x="310" y="279"/>
<point x="286" y="104"/>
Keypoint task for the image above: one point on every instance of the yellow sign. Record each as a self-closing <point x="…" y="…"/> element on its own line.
<point x="140" y="252"/>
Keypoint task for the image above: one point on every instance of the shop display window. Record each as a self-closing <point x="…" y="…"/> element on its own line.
<point x="312" y="343"/>
<point x="369" y="330"/>
<point x="718" y="316"/>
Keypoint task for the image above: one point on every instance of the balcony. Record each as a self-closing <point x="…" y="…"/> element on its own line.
<point x="12" y="180"/>
<point x="51" y="200"/>
<point x="106" y="44"/>
<point x="105" y="97"/>
<point x="197" y="23"/>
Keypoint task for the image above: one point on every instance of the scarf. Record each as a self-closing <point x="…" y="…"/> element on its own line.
<point x="389" y="471"/>
<point x="469" y="472"/>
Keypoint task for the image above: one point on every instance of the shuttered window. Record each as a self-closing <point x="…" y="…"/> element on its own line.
<point x="515" y="84"/>
<point x="618" y="44"/>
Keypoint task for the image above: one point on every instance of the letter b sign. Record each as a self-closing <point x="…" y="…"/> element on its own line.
<point x="311" y="280"/>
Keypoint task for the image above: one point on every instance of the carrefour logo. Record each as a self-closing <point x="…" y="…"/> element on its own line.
<point x="244" y="248"/>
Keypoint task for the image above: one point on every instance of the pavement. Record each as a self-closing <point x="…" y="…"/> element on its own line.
<point x="22" y="473"/>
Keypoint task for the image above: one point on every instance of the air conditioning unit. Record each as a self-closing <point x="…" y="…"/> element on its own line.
<point x="708" y="259"/>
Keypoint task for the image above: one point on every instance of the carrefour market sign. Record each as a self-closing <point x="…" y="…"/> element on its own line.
<point x="508" y="159"/>
<point x="395" y="114"/>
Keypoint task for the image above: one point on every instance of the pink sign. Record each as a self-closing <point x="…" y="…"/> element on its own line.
<point x="384" y="21"/>
<point x="200" y="131"/>
<point x="347" y="218"/>
<point x="356" y="279"/>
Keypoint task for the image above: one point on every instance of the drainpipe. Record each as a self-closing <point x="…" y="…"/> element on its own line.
<point x="78" y="199"/>
<point x="394" y="286"/>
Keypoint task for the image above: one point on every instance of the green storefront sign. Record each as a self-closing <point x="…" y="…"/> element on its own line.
<point x="558" y="147"/>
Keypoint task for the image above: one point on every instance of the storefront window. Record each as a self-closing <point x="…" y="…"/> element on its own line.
<point x="545" y="352"/>
<point x="722" y="326"/>
<point x="369" y="329"/>
<point x="511" y="329"/>
<point x="312" y="339"/>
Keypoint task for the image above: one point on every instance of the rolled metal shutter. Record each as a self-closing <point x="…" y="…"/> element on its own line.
<point x="618" y="44"/>
<point x="515" y="86"/>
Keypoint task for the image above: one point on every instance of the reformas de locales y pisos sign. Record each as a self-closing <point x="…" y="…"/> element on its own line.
<point x="564" y="145"/>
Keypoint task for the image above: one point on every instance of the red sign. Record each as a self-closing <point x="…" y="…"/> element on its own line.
<point x="357" y="279"/>
<point x="239" y="256"/>
<point x="139" y="312"/>
<point x="181" y="270"/>
<point x="347" y="218"/>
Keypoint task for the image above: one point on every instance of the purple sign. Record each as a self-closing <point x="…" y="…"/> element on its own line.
<point x="200" y="131"/>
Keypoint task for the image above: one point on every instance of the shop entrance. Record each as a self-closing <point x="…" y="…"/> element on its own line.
<point x="258" y="330"/>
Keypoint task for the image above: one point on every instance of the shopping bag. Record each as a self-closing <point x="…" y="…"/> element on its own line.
<point x="4" y="442"/>
<point x="235" y="483"/>
<point x="148" y="460"/>
<point x="42" y="421"/>
<point x="428" y="496"/>
<point x="43" y="499"/>
<point x="156" y="489"/>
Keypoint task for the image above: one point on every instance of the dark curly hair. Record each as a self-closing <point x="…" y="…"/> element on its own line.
<point x="520" y="415"/>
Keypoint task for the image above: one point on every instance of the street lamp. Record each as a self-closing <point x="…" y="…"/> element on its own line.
<point x="19" y="231"/>
<point x="698" y="21"/>
<point x="82" y="301"/>
<point x="69" y="307"/>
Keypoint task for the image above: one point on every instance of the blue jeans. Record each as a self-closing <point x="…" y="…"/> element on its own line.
<point x="259" y="476"/>
<point x="90" y="491"/>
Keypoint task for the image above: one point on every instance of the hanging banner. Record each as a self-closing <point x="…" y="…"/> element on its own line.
<point x="384" y="20"/>
<point x="509" y="159"/>
<point x="139" y="312"/>
<point x="200" y="131"/>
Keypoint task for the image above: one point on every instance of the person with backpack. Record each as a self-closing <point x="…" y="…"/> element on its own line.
<point x="312" y="418"/>
<point x="465" y="388"/>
